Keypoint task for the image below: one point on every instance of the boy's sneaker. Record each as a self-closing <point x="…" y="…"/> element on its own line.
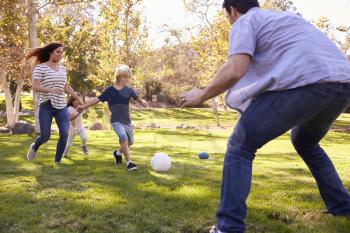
<point x="131" y="166"/>
<point x="85" y="150"/>
<point x="118" y="158"/>
<point x="31" y="153"/>
<point x="59" y="163"/>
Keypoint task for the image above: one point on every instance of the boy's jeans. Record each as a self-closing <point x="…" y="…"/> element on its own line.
<point x="309" y="111"/>
<point x="124" y="132"/>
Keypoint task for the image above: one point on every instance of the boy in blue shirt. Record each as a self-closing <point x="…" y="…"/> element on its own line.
<point x="118" y="97"/>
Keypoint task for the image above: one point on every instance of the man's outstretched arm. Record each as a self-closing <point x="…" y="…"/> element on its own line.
<point x="227" y="76"/>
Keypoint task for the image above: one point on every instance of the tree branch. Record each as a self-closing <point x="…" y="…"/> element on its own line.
<point x="60" y="3"/>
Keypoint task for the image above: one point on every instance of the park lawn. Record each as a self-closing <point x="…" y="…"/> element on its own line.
<point x="93" y="195"/>
<point x="163" y="117"/>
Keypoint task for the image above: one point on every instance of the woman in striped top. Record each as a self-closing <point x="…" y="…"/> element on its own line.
<point x="50" y="80"/>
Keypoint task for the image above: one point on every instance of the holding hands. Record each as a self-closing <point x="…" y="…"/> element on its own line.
<point x="81" y="108"/>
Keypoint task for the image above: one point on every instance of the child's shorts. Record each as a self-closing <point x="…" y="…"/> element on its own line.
<point x="124" y="132"/>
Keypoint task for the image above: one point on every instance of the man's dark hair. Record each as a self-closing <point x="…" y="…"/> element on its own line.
<point x="242" y="6"/>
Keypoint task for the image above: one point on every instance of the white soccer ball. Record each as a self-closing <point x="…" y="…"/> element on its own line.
<point x="161" y="162"/>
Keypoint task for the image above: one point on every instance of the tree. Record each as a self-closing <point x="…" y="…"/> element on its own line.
<point x="174" y="69"/>
<point x="324" y="24"/>
<point x="74" y="27"/>
<point x="33" y="43"/>
<point x="279" y="5"/>
<point x="339" y="34"/>
<point x="211" y="43"/>
<point x="12" y="44"/>
<point x="12" y="100"/>
<point x="123" y="38"/>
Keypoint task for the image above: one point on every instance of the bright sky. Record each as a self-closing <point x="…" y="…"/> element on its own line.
<point x="172" y="12"/>
<point x="336" y="10"/>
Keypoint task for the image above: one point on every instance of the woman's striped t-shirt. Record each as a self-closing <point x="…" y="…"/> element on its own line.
<point x="51" y="78"/>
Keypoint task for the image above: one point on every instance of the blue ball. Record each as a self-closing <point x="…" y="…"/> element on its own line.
<point x="203" y="155"/>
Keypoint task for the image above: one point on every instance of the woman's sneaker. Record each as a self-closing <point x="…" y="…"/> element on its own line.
<point x="215" y="229"/>
<point x="131" y="166"/>
<point x="85" y="150"/>
<point x="31" y="153"/>
<point x="118" y="158"/>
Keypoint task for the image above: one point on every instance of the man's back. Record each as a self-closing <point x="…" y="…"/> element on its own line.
<point x="287" y="52"/>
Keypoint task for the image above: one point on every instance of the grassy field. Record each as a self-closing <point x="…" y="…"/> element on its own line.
<point x="93" y="195"/>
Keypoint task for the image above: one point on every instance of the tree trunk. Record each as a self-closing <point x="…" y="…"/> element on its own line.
<point x="19" y="89"/>
<point x="33" y="33"/>
<point x="216" y="112"/>
<point x="36" y="97"/>
<point x="8" y="99"/>
<point x="33" y="42"/>
<point x="12" y="108"/>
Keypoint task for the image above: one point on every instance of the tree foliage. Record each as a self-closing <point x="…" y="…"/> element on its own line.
<point x="100" y="34"/>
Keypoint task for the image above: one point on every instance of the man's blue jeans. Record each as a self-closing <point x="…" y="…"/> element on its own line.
<point x="46" y="113"/>
<point x="309" y="111"/>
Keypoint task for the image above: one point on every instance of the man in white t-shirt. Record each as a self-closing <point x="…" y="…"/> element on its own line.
<point x="282" y="73"/>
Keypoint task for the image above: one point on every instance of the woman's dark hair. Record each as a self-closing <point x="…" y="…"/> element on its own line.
<point x="71" y="99"/>
<point x="242" y="6"/>
<point x="43" y="54"/>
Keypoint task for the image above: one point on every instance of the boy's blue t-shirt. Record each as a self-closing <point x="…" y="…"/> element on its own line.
<point x="118" y="102"/>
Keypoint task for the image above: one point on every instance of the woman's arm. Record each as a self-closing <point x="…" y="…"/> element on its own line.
<point x="68" y="89"/>
<point x="37" y="87"/>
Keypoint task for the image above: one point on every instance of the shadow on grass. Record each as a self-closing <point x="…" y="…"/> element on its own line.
<point x="64" y="200"/>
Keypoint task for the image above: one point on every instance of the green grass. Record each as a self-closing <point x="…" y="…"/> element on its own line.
<point x="26" y="99"/>
<point x="93" y="195"/>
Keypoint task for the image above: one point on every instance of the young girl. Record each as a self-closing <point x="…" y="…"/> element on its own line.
<point x="76" y="126"/>
<point x="118" y="97"/>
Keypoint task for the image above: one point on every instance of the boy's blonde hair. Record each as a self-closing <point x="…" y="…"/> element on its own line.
<point x="122" y="70"/>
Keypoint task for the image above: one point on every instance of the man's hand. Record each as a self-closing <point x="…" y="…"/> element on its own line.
<point x="56" y="91"/>
<point x="192" y="98"/>
<point x="227" y="76"/>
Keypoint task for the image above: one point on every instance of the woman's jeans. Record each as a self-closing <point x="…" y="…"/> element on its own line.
<point x="309" y="111"/>
<point x="46" y="113"/>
